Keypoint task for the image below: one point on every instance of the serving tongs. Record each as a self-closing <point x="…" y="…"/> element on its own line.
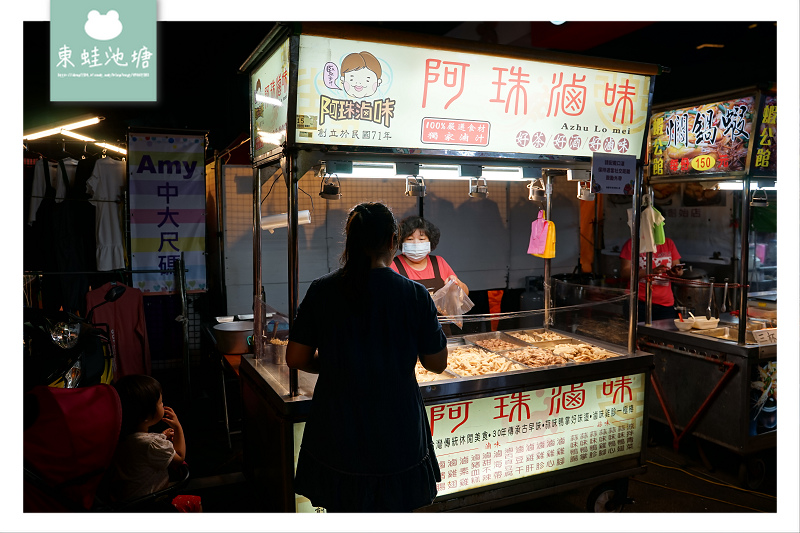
<point x="710" y="297"/>
<point x="724" y="296"/>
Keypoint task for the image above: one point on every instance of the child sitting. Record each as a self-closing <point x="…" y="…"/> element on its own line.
<point x="142" y="459"/>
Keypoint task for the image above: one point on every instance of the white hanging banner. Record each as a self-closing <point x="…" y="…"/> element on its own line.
<point x="168" y="209"/>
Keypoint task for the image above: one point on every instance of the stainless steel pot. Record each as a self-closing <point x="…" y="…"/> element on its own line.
<point x="232" y="337"/>
<point x="570" y="289"/>
<point x="691" y="296"/>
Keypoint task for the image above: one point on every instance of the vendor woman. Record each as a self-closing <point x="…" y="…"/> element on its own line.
<point x="666" y="263"/>
<point x="418" y="238"/>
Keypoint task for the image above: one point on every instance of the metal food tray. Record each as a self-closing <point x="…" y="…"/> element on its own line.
<point x="498" y="335"/>
<point x="728" y="333"/>
<point x="446" y="374"/>
<point x="547" y="344"/>
<point x="523" y="367"/>
<point x="455" y="341"/>
<point x="533" y="332"/>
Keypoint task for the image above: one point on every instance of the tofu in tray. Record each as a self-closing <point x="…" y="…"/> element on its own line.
<point x="534" y="336"/>
<point x="540" y="348"/>
<point x="495" y="341"/>
<point x="470" y="360"/>
<point x="424" y="376"/>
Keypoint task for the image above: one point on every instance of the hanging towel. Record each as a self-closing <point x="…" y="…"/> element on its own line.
<point x="658" y="228"/>
<point x="646" y="239"/>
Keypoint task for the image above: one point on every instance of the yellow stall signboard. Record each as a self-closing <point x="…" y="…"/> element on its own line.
<point x="367" y="94"/>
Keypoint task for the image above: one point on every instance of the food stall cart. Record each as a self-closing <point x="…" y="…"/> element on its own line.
<point x="719" y="383"/>
<point x="544" y="414"/>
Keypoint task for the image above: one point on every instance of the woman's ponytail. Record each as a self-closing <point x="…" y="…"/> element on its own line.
<point x="369" y="230"/>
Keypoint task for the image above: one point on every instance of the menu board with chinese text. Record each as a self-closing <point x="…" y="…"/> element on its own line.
<point x="269" y="85"/>
<point x="765" y="150"/>
<point x="510" y="436"/>
<point x="708" y="138"/>
<point x="486" y="441"/>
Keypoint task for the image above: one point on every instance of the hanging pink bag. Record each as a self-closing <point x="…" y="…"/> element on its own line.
<point x="538" y="240"/>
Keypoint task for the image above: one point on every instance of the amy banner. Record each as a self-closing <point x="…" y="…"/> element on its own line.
<point x="168" y="216"/>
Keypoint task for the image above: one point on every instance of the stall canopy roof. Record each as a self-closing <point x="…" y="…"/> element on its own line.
<point x="388" y="36"/>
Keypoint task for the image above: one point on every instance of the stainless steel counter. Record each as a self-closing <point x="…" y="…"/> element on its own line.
<point x="273" y="423"/>
<point x="714" y="341"/>
<point x="455" y="386"/>
<point x="702" y="385"/>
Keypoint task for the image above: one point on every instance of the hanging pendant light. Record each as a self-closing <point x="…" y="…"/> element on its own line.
<point x="478" y="188"/>
<point x="759" y="201"/>
<point x="585" y="191"/>
<point x="329" y="187"/>
<point x="536" y="192"/>
<point x="415" y="186"/>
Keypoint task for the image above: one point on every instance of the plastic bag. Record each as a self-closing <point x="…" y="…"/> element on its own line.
<point x="550" y="241"/>
<point x="538" y="239"/>
<point x="452" y="302"/>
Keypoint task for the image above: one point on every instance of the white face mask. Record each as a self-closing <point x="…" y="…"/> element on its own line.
<point x="416" y="251"/>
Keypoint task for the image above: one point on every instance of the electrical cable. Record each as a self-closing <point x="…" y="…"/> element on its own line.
<point x="271" y="186"/>
<point x="722" y="484"/>
<point x="310" y="198"/>
<point x="698" y="495"/>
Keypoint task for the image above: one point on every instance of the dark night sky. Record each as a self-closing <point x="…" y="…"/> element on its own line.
<point x="200" y="87"/>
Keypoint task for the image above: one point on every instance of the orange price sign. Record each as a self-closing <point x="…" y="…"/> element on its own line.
<point x="703" y="162"/>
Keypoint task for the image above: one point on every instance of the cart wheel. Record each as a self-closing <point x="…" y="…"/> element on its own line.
<point x="608" y="497"/>
<point x="752" y="473"/>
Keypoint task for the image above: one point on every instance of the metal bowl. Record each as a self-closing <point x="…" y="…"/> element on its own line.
<point x="231" y="337"/>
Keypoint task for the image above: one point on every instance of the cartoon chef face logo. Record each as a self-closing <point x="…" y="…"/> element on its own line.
<point x="359" y="75"/>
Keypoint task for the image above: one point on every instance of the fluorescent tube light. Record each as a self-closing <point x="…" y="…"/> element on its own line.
<point x="431" y="172"/>
<point x="273" y="222"/>
<point x="58" y="129"/>
<point x="272" y="138"/>
<point x="268" y="100"/>
<point x="112" y="148"/>
<point x="78" y="136"/>
<point x="738" y="185"/>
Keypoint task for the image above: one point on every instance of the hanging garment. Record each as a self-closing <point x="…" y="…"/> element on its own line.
<point x="39" y="245"/>
<point x="86" y="212"/>
<point x="44" y="177"/>
<point x="65" y="181"/>
<point x="106" y="186"/>
<point x="68" y="242"/>
<point x="127" y="329"/>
